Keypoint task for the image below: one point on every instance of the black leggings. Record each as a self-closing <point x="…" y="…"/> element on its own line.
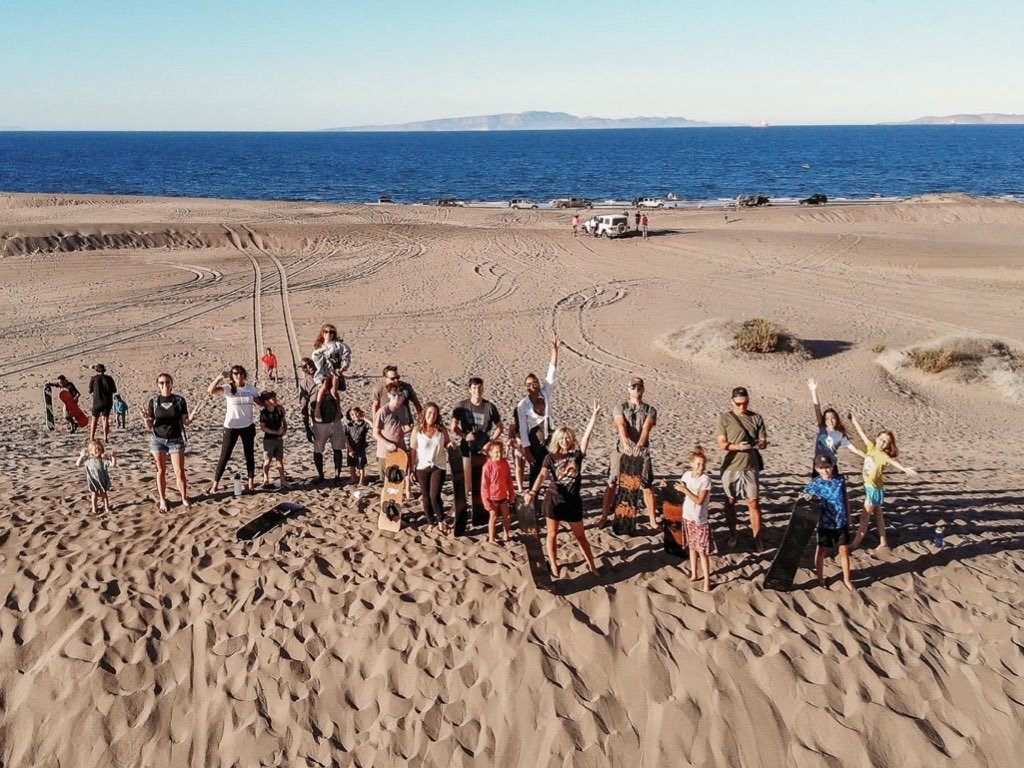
<point x="431" y="479"/>
<point x="227" y="445"/>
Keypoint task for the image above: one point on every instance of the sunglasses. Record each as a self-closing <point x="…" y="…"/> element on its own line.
<point x="636" y="386"/>
<point x="162" y="382"/>
<point x="740" y="402"/>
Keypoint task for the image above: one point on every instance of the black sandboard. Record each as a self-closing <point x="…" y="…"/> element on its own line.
<point x="802" y="523"/>
<point x="458" y="490"/>
<point x="672" y="521"/>
<point x="269" y="520"/>
<point x="480" y="514"/>
<point x="628" y="495"/>
<point x="48" y="406"/>
<point x="526" y="516"/>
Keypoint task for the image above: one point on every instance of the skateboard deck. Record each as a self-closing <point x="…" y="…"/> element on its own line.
<point x="628" y="495"/>
<point x="392" y="495"/>
<point x="455" y="466"/>
<point x="73" y="410"/>
<point x="672" y="521"/>
<point x="48" y="408"/>
<point x="526" y="516"/>
<point x="802" y="522"/>
<point x="269" y="520"/>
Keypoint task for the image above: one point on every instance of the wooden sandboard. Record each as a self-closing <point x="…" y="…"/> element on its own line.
<point x="392" y="495"/>
<point x="672" y="521"/>
<point x="628" y="495"/>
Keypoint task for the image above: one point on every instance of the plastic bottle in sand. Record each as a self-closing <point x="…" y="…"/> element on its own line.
<point x="238" y="484"/>
<point x="940" y="538"/>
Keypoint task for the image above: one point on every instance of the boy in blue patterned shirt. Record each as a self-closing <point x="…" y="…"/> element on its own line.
<point x="829" y="487"/>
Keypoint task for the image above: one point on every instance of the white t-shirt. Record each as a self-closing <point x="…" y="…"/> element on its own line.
<point x="696" y="513"/>
<point x="430" y="451"/>
<point x="239" y="406"/>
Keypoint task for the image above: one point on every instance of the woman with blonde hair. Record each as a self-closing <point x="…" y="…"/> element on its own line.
<point x="562" y="502"/>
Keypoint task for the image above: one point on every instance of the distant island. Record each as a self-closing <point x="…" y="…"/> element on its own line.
<point x="986" y="118"/>
<point x="532" y="121"/>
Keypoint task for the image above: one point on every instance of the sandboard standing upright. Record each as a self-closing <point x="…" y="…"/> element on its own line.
<point x="802" y="522"/>
<point x="672" y="521"/>
<point x="459" y="511"/>
<point x="628" y="495"/>
<point x="526" y="516"/>
<point x="48" y="408"/>
<point x="392" y="495"/>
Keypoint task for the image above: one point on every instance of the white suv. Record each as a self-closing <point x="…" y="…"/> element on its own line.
<point x="607" y="225"/>
<point x="521" y="202"/>
<point x="648" y="202"/>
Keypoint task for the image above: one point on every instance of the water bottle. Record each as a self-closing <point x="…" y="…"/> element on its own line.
<point x="940" y="539"/>
<point x="238" y="484"/>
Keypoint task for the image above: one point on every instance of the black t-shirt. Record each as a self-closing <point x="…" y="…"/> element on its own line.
<point x="102" y="388"/>
<point x="168" y="413"/>
<point x="565" y="477"/>
<point x="478" y="419"/>
<point x="274" y="419"/>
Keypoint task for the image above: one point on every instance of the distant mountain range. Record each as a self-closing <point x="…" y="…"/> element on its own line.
<point x="532" y="121"/>
<point x="986" y="118"/>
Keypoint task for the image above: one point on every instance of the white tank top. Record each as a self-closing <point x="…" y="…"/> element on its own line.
<point x="430" y="451"/>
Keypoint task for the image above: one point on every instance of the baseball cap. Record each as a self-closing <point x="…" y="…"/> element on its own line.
<point x="740" y="392"/>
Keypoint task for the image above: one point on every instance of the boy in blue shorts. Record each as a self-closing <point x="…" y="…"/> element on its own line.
<point x="829" y="487"/>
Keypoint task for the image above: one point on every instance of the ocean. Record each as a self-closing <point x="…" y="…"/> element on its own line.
<point x="697" y="165"/>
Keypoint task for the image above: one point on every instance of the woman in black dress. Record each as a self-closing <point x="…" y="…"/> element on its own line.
<point x="562" y="502"/>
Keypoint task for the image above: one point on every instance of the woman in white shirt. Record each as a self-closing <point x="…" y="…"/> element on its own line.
<point x="430" y="442"/>
<point x="534" y="422"/>
<point x="239" y="422"/>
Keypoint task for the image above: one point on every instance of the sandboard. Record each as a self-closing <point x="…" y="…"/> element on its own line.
<point x="628" y="495"/>
<point x="48" y="408"/>
<point x="802" y="523"/>
<point x="392" y="495"/>
<point x="672" y="521"/>
<point x="526" y="516"/>
<point x="458" y="490"/>
<point x="269" y="520"/>
<point x="74" y="411"/>
<point x="480" y="514"/>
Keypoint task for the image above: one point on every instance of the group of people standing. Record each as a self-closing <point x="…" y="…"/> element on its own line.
<point x="536" y="455"/>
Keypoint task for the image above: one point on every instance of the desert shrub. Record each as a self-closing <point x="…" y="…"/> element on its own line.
<point x="939" y="359"/>
<point x="759" y="335"/>
<point x="879" y="348"/>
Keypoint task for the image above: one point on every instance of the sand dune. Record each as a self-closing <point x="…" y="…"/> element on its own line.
<point x="144" y="639"/>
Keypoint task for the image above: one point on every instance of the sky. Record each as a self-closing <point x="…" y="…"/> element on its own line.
<point x="299" y="65"/>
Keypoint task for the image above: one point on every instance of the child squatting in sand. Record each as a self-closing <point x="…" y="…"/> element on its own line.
<point x="97" y="472"/>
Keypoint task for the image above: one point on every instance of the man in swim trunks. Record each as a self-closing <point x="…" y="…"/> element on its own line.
<point x="742" y="435"/>
<point x="102" y="389"/>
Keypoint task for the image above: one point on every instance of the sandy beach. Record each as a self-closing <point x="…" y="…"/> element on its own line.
<point x="141" y="638"/>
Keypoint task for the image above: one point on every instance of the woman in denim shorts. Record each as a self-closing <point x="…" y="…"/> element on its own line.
<point x="166" y="416"/>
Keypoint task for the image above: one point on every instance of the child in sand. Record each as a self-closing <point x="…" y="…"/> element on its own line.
<point x="273" y="425"/>
<point x="97" y="472"/>
<point x="121" y="411"/>
<point x="696" y="486"/>
<point x="876" y="456"/>
<point x="497" y="490"/>
<point x="331" y="356"/>
<point x="830" y="489"/>
<point x="357" y="437"/>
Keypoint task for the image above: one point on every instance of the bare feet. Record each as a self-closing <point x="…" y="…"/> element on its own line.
<point x="883" y="546"/>
<point x="164" y="506"/>
<point x="603" y="521"/>
<point x="653" y="520"/>
<point x="707" y="585"/>
<point x="694" y="576"/>
<point x="214" y="489"/>
<point x="849" y="585"/>
<point x="185" y="502"/>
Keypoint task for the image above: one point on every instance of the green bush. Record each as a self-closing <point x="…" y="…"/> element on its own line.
<point x="760" y="336"/>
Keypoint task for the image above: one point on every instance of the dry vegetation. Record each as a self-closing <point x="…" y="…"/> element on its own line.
<point x="761" y="336"/>
<point x="964" y="354"/>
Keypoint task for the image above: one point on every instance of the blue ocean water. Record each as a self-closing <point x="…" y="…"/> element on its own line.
<point x="693" y="163"/>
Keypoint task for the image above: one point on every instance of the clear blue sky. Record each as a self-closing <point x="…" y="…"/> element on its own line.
<point x="311" y="64"/>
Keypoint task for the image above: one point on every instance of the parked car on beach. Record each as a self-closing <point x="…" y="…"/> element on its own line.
<point x="648" y="202"/>
<point x="451" y="202"/>
<point x="607" y="225"/>
<point x="571" y="202"/>
<point x="521" y="202"/>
